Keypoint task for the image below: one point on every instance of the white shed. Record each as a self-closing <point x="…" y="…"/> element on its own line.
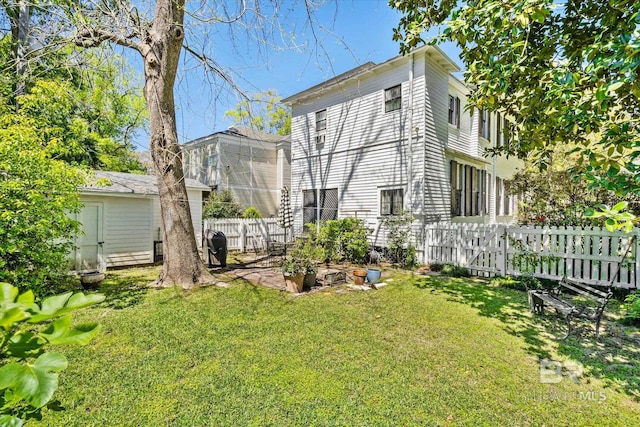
<point x="121" y="223"/>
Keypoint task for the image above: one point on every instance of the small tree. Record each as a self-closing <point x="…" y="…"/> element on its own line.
<point x="38" y="197"/>
<point x="221" y="204"/>
<point x="262" y="112"/>
<point x="561" y="71"/>
<point x="556" y="196"/>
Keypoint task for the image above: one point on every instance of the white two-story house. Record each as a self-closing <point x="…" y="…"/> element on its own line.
<point x="391" y="137"/>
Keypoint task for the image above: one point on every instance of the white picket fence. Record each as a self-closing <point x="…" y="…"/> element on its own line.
<point x="241" y="232"/>
<point x="586" y="254"/>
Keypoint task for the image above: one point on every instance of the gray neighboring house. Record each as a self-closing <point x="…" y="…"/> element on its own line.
<point x="254" y="165"/>
<point x="121" y="221"/>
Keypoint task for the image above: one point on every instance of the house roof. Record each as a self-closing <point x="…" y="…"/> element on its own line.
<point x="433" y="52"/>
<point x="130" y="183"/>
<point x="244" y="132"/>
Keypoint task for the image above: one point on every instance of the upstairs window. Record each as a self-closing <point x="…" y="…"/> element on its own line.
<point x="321" y="126"/>
<point x="454" y="111"/>
<point x="393" y="99"/>
<point x="485" y="125"/>
<point x="391" y="201"/>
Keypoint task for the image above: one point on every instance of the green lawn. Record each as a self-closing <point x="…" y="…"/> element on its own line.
<point x="421" y="351"/>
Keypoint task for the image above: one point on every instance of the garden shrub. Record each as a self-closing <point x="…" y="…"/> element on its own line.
<point x="341" y="240"/>
<point x="454" y="271"/>
<point x="221" y="204"/>
<point x="631" y="308"/>
<point x="435" y="267"/>
<point x="399" y="235"/>
<point x="39" y="199"/>
<point x="251" y="213"/>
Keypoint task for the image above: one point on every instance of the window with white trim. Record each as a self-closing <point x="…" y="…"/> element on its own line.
<point x="393" y="99"/>
<point x="391" y="201"/>
<point x="321" y="126"/>
<point x="454" y="111"/>
<point x="468" y="190"/>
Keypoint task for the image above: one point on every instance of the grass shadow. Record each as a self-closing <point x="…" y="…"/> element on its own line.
<point x="126" y="288"/>
<point x="508" y="306"/>
<point x="614" y="358"/>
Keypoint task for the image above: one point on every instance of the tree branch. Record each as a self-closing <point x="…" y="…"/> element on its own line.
<point x="94" y="37"/>
<point x="211" y="65"/>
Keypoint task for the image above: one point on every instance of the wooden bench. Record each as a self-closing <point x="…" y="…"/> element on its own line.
<point x="568" y="308"/>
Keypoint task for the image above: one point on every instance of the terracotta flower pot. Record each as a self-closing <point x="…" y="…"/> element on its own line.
<point x="359" y="276"/>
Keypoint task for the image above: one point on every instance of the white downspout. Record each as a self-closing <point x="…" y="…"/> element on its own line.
<point x="410" y="135"/>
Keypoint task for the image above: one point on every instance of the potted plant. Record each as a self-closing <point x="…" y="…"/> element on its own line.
<point x="299" y="266"/>
<point x="310" y="273"/>
<point x="293" y="270"/>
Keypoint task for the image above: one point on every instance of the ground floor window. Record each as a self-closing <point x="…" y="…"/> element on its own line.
<point x="391" y="201"/>
<point x="469" y="193"/>
<point x="504" y="201"/>
<point x="319" y="205"/>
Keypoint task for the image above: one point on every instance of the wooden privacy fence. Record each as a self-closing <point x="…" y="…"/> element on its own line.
<point x="240" y="232"/>
<point x="590" y="255"/>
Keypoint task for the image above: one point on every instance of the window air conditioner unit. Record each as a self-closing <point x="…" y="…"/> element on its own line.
<point x="320" y="139"/>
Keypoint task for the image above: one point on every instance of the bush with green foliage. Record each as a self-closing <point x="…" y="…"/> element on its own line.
<point x="631" y="308"/>
<point x="344" y="239"/>
<point x="453" y="270"/>
<point x="251" y="213"/>
<point x="38" y="199"/>
<point x="221" y="204"/>
<point x="399" y="239"/>
<point x="29" y="373"/>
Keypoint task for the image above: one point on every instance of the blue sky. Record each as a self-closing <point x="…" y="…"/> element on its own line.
<point x="358" y="31"/>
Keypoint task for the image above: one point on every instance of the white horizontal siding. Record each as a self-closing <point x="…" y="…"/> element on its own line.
<point x="461" y="138"/>
<point x="436" y="100"/>
<point x="127" y="231"/>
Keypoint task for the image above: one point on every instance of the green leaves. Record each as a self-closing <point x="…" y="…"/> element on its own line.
<point x="615" y="218"/>
<point x="61" y="332"/>
<point x="62" y="304"/>
<point x="567" y="73"/>
<point x="29" y="375"/>
<point x="35" y="383"/>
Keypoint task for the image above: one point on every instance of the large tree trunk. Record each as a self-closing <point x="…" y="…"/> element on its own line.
<point x="182" y="265"/>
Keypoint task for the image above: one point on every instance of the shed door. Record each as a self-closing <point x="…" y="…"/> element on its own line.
<point x="89" y="254"/>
